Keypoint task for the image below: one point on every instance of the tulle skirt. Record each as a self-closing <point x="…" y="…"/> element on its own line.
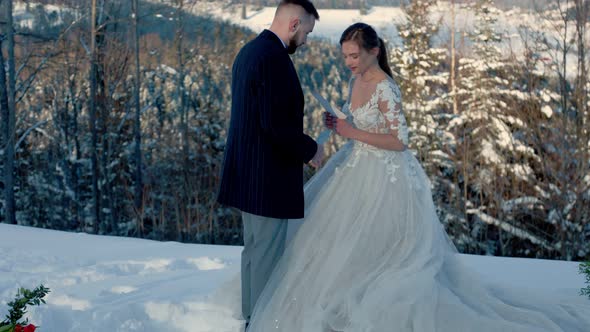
<point x="371" y="255"/>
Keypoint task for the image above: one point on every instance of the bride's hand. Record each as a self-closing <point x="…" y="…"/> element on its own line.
<point x="344" y="128"/>
<point x="329" y="120"/>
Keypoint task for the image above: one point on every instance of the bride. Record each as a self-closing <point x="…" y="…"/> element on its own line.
<point x="371" y="254"/>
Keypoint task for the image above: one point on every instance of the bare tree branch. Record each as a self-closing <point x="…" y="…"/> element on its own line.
<point x="27" y="132"/>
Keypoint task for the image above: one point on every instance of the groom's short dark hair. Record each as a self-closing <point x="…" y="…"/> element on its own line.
<point x="306" y="4"/>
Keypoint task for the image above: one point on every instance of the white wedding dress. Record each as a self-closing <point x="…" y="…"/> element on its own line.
<point x="371" y="254"/>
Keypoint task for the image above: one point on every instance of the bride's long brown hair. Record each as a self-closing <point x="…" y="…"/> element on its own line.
<point x="366" y="37"/>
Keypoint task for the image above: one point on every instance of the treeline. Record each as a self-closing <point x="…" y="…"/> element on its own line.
<point x="329" y="4"/>
<point x="106" y="146"/>
<point x="504" y="136"/>
<point x="89" y="157"/>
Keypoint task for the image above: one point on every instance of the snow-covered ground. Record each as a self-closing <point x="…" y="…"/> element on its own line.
<point x="103" y="283"/>
<point x="24" y="17"/>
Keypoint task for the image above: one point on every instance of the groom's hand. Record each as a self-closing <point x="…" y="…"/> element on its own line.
<point x="316" y="162"/>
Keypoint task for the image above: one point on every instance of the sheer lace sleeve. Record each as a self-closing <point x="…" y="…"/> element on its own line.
<point x="390" y="105"/>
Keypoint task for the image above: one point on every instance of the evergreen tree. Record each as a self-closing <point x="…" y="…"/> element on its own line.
<point x="494" y="158"/>
<point x="422" y="81"/>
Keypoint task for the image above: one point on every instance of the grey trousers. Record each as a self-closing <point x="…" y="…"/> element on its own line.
<point x="264" y="244"/>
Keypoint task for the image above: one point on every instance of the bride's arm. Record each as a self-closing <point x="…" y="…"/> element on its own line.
<point x="389" y="104"/>
<point x="383" y="141"/>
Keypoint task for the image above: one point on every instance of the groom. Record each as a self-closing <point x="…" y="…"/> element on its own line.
<point x="266" y="148"/>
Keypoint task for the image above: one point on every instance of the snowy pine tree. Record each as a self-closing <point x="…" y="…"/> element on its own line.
<point x="494" y="157"/>
<point x="422" y="81"/>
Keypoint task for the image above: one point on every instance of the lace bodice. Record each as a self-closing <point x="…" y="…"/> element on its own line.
<point x="382" y="113"/>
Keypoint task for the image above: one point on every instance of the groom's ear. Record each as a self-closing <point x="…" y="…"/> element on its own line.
<point x="294" y="24"/>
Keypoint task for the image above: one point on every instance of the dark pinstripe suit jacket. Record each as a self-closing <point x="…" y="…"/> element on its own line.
<point x="266" y="147"/>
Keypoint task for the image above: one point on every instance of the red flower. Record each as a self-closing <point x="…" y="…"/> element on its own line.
<point x="29" y="328"/>
<point x="18" y="328"/>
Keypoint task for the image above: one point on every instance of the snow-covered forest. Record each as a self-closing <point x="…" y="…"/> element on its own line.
<point x="114" y="117"/>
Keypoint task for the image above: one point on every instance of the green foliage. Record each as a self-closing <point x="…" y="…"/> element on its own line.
<point x="18" y="307"/>
<point x="584" y="268"/>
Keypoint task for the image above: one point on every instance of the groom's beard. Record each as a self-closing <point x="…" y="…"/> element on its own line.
<point x="292" y="47"/>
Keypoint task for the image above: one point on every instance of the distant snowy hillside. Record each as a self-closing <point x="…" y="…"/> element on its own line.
<point x="334" y="21"/>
